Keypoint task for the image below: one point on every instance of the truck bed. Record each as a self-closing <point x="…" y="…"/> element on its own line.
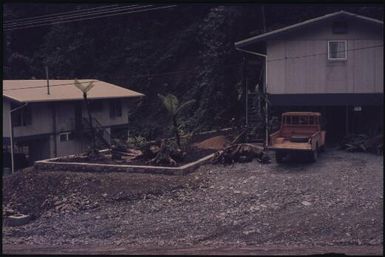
<point x="287" y="145"/>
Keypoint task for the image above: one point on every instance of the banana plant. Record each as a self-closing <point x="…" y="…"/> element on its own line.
<point x="85" y="89"/>
<point x="171" y="103"/>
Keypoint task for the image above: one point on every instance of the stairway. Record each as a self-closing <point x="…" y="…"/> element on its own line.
<point x="255" y="119"/>
<point x="102" y="135"/>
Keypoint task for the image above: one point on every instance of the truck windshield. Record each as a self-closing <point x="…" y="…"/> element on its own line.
<point x="300" y="120"/>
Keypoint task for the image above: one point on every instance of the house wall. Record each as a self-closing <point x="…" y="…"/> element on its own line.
<point x="362" y="72"/>
<point x="42" y="117"/>
<point x="6" y="108"/>
<point x="69" y="147"/>
<point x="40" y="134"/>
<point x="41" y="121"/>
<point x="104" y="116"/>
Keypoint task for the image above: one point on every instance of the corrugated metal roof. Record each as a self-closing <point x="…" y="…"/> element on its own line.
<point x="270" y="34"/>
<point x="61" y="90"/>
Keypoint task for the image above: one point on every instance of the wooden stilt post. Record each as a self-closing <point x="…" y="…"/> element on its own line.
<point x="346" y="120"/>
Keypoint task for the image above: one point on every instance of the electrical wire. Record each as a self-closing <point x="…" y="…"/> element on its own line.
<point x="89" y="18"/>
<point x="59" y="13"/>
<point x="324" y="53"/>
<point x="73" y="16"/>
<point x="194" y="69"/>
<point x="64" y="84"/>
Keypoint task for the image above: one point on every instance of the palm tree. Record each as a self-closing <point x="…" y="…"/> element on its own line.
<point x="85" y="89"/>
<point x="171" y="103"/>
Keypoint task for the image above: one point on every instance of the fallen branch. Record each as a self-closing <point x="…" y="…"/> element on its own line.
<point x="241" y="153"/>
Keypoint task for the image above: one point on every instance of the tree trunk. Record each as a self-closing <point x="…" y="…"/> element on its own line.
<point x="177" y="137"/>
<point x="90" y="120"/>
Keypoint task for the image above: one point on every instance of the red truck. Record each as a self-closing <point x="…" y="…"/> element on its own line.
<point x="300" y="132"/>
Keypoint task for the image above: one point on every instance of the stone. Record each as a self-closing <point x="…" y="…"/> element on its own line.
<point x="17" y="220"/>
<point x="306" y="203"/>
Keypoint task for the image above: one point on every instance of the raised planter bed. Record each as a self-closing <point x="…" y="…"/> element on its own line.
<point x="54" y="164"/>
<point x="195" y="157"/>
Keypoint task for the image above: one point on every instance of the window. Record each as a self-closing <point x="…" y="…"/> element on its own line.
<point x="115" y="108"/>
<point x="66" y="136"/>
<point x="337" y="50"/>
<point x="21" y="117"/>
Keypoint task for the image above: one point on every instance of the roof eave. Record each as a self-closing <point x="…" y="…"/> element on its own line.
<point x="269" y="35"/>
<point x="70" y="99"/>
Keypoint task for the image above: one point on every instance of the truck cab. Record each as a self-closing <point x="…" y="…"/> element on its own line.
<point x="300" y="132"/>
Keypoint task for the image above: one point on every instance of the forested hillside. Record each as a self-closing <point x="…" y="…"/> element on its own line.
<point x="187" y="50"/>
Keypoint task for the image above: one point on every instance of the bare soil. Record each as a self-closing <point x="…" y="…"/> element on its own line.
<point x="333" y="205"/>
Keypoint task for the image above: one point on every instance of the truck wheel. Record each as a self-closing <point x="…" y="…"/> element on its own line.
<point x="279" y="157"/>
<point x="322" y="148"/>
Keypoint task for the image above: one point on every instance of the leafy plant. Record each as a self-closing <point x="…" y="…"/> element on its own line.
<point x="85" y="89"/>
<point x="136" y="141"/>
<point x="171" y="103"/>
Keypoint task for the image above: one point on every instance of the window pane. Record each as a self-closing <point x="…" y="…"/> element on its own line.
<point x="70" y="136"/>
<point x="115" y="108"/>
<point x="337" y="50"/>
<point x="63" y="137"/>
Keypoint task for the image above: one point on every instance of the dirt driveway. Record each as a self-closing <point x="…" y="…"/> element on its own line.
<point x="334" y="205"/>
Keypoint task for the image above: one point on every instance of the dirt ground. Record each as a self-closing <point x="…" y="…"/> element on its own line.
<point x="334" y="205"/>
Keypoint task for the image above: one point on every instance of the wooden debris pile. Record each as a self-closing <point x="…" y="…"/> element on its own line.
<point x="124" y="153"/>
<point x="162" y="152"/>
<point x="241" y="153"/>
<point x="363" y="143"/>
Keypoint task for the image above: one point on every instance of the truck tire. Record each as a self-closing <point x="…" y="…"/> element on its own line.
<point x="279" y="157"/>
<point x="322" y="148"/>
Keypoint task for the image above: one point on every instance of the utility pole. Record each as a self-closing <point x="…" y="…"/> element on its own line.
<point x="247" y="103"/>
<point x="11" y="135"/>
<point x="263" y="18"/>
<point x="46" y="74"/>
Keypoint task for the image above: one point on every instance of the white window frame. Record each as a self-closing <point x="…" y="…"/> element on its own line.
<point x="346" y="50"/>
<point x="67" y="134"/>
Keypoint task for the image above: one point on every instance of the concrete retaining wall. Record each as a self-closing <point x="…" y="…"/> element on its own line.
<point x="53" y="165"/>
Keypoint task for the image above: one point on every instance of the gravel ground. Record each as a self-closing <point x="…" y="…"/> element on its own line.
<point x="337" y="201"/>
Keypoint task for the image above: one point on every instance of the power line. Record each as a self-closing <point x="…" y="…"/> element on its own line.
<point x="81" y="15"/>
<point x="72" y="17"/>
<point x="193" y="69"/>
<point x="324" y="53"/>
<point x="100" y="16"/>
<point x="58" y="13"/>
<point x="64" y="84"/>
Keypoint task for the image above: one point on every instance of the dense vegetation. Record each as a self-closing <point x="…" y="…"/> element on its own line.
<point x="187" y="51"/>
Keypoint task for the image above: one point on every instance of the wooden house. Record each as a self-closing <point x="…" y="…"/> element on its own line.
<point x="333" y="64"/>
<point x="52" y="121"/>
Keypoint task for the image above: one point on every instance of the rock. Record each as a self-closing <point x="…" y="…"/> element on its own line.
<point x="17" y="220"/>
<point x="306" y="203"/>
